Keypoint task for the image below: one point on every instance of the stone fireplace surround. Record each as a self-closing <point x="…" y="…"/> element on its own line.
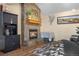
<point x="26" y="33"/>
<point x="27" y="26"/>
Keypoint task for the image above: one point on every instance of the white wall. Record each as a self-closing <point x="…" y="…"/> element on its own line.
<point x="62" y="31"/>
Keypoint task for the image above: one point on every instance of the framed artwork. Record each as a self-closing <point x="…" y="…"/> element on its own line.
<point x="33" y="16"/>
<point x="68" y="19"/>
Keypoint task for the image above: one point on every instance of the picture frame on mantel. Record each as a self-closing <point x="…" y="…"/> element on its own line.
<point x="72" y="19"/>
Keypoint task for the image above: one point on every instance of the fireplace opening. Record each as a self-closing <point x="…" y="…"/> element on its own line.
<point x="33" y="33"/>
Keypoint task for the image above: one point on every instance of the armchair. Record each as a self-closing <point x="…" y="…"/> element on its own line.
<point x="47" y="36"/>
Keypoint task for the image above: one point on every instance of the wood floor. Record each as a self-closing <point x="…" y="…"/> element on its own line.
<point x="23" y="51"/>
<point x="1" y="53"/>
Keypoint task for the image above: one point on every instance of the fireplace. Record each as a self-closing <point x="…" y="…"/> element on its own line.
<point x="33" y="33"/>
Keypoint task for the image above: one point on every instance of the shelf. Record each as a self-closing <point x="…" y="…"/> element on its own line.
<point x="33" y="22"/>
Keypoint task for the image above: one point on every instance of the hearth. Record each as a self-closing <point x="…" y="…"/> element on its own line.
<point x="33" y="33"/>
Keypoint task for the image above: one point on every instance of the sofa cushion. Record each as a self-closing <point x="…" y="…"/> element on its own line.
<point x="70" y="48"/>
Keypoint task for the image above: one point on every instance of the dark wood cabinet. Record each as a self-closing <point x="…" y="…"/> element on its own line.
<point x="9" y="39"/>
<point x="7" y="18"/>
<point x="11" y="18"/>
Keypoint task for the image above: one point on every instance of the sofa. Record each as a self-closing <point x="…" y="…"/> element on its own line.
<point x="70" y="48"/>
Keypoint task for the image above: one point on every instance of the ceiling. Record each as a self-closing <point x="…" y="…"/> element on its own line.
<point x="52" y="8"/>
